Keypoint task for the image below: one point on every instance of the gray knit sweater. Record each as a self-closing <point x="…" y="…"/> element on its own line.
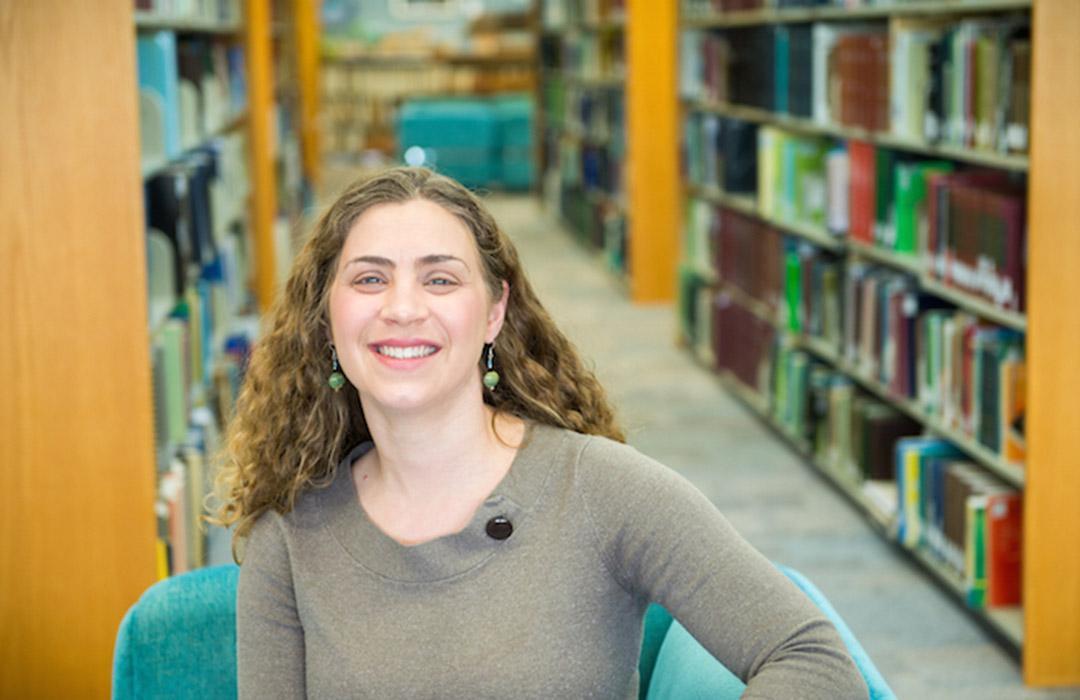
<point x="331" y="607"/>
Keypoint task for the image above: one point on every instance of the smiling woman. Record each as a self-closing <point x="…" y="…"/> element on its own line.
<point x="460" y="518"/>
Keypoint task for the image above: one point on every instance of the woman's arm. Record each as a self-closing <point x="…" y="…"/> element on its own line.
<point x="269" y="636"/>
<point x="665" y="541"/>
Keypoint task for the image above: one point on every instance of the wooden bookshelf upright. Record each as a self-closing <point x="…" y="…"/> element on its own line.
<point x="78" y="476"/>
<point x="77" y="481"/>
<point x="652" y="124"/>
<point x="1052" y="489"/>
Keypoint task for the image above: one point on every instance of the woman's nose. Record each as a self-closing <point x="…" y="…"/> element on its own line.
<point x="404" y="303"/>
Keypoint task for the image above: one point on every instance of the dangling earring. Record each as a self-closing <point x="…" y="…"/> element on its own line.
<point x="336" y="380"/>
<point x="491" y="377"/>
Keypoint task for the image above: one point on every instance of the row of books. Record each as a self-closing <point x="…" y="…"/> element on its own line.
<point x="585" y="55"/>
<point x="189" y="89"/>
<point x="940" y="81"/>
<point x="193" y="394"/>
<point x="198" y="263"/>
<point x="193" y="209"/>
<point x="940" y="503"/>
<point x="965" y="374"/>
<point x="558" y="14"/>
<point x="963" y="227"/>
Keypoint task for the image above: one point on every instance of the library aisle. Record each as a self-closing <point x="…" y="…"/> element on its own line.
<point x="677" y="412"/>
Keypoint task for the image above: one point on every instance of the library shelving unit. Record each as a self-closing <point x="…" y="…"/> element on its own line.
<point x="79" y="476"/>
<point x="1045" y="630"/>
<point x="606" y="113"/>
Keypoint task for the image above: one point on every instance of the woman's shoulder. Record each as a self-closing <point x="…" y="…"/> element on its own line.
<point x="600" y="462"/>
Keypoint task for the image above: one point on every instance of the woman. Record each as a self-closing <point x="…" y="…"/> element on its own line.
<point x="433" y="496"/>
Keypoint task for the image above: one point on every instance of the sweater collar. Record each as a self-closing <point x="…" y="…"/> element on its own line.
<point x="514" y="498"/>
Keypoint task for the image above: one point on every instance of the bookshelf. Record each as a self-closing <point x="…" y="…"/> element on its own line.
<point x="824" y="243"/>
<point x="607" y="112"/>
<point x="79" y="466"/>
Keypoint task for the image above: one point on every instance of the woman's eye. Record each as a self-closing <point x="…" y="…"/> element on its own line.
<point x="368" y="280"/>
<point x="441" y="282"/>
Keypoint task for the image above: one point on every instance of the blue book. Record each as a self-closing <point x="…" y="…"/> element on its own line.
<point x="158" y="75"/>
<point x="912" y="458"/>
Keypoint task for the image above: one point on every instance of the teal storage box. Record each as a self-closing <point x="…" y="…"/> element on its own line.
<point x="458" y="138"/>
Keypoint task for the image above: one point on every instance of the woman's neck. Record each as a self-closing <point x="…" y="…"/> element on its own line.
<point x="438" y="456"/>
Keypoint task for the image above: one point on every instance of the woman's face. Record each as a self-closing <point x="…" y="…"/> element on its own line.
<point x="409" y="307"/>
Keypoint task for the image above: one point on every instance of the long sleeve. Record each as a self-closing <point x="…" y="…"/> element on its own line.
<point x="663" y="540"/>
<point x="269" y="636"/>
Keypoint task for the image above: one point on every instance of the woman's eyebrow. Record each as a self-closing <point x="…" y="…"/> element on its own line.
<point x="436" y="259"/>
<point x="433" y="259"/>
<point x="371" y="260"/>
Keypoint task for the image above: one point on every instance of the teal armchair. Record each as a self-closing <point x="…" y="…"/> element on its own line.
<point x="179" y="641"/>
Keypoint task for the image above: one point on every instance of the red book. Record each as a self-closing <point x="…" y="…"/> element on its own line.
<point x="1004" y="549"/>
<point x="863" y="204"/>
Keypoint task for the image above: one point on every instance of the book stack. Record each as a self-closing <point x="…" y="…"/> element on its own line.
<point x="196" y="187"/>
<point x="792" y="181"/>
<point x="976" y="235"/>
<point x="748" y="257"/>
<point x="966" y="519"/>
<point x="857" y="85"/>
<point x="742" y="343"/>
<point x="793" y="82"/>
<point x="583" y="139"/>
<point x="189" y="89"/>
<point x="752" y="66"/>
<point x="812" y="282"/>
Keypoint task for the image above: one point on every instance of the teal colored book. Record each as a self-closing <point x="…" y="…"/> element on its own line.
<point x="159" y="76"/>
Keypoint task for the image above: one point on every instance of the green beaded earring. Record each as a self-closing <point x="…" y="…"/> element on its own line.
<point x="336" y="380"/>
<point x="491" y="377"/>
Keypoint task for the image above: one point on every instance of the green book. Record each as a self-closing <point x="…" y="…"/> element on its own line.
<point x="809" y="181"/>
<point x="793" y="289"/>
<point x="172" y="339"/>
<point x="911" y="205"/>
<point x="975" y="551"/>
<point x="885" y="205"/>
<point x="798" y="393"/>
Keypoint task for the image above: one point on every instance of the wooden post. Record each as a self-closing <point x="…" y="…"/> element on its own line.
<point x="652" y="154"/>
<point x="77" y="524"/>
<point x="306" y="18"/>
<point x="261" y="141"/>
<point x="1052" y="487"/>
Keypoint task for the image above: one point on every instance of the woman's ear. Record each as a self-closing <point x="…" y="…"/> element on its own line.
<point x="497" y="313"/>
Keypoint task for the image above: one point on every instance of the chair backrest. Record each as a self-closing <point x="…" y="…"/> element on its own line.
<point x="684" y="670"/>
<point x="179" y="639"/>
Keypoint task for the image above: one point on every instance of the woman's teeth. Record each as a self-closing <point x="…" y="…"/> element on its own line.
<point x="408" y="353"/>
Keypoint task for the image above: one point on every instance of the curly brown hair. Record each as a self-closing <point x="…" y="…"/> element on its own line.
<point x="290" y="430"/>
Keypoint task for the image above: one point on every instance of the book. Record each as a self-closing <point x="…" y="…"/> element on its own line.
<point x="159" y="79"/>
<point x="1004" y="544"/>
<point x="912" y="455"/>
